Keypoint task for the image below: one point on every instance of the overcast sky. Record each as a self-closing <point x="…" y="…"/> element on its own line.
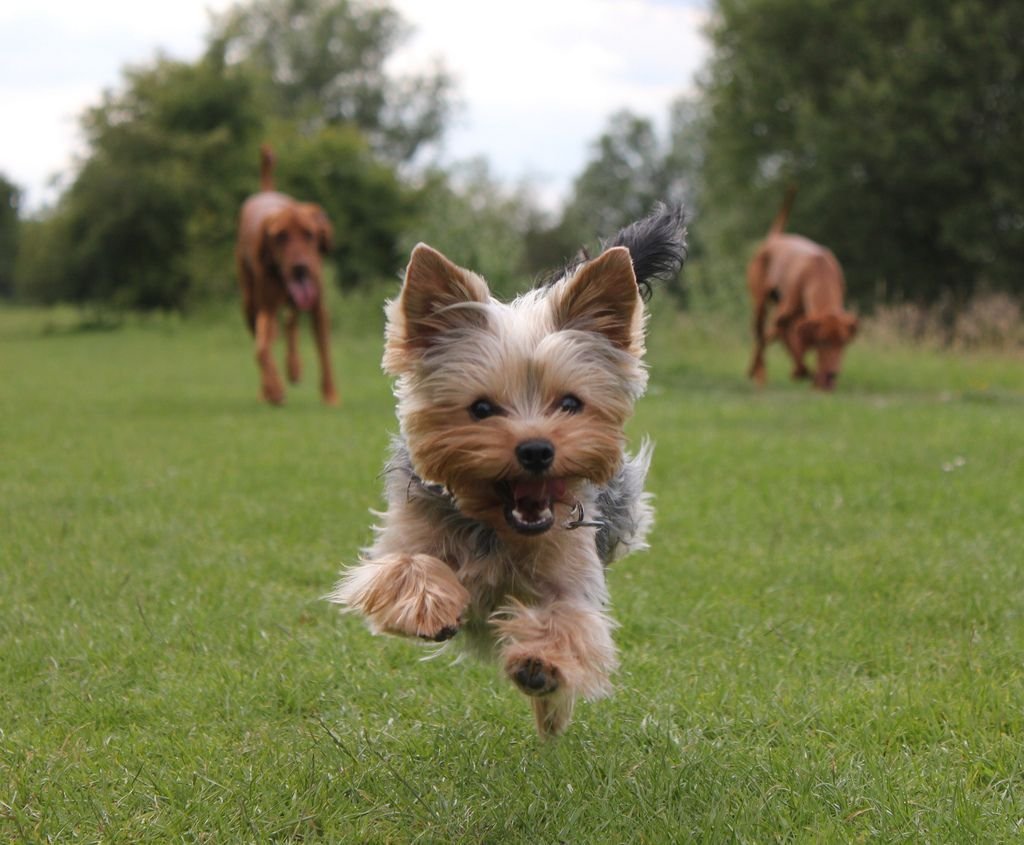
<point x="537" y="78"/>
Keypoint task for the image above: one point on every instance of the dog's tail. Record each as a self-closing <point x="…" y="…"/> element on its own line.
<point x="267" y="160"/>
<point x="657" y="244"/>
<point x="779" y="223"/>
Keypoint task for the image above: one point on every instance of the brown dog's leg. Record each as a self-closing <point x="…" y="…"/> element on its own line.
<point x="322" y="332"/>
<point x="246" y="283"/>
<point x="266" y="331"/>
<point x="757" y="371"/>
<point x="791" y="337"/>
<point x="291" y="331"/>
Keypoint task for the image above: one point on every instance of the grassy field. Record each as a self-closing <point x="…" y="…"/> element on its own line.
<point x="823" y="644"/>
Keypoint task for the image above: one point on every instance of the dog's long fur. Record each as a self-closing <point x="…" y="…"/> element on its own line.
<point x="509" y="489"/>
<point x="805" y="283"/>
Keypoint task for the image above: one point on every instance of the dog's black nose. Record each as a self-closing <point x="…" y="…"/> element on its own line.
<point x="535" y="455"/>
<point x="300" y="272"/>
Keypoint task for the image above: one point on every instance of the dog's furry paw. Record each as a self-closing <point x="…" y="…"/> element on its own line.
<point x="273" y="392"/>
<point x="411" y="595"/>
<point x="534" y="676"/>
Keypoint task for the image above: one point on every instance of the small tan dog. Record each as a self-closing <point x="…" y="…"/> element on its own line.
<point x="279" y="254"/>
<point x="805" y="282"/>
<point x="510" y="489"/>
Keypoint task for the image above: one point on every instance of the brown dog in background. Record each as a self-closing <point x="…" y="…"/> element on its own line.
<point x="281" y="244"/>
<point x="805" y="282"/>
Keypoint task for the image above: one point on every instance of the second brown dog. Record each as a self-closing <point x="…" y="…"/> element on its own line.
<point x="805" y="283"/>
<point x="279" y="256"/>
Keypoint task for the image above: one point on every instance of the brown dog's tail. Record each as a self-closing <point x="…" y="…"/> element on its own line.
<point x="267" y="160"/>
<point x="779" y="223"/>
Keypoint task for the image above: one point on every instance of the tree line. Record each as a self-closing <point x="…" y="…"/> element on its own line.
<point x="899" y="124"/>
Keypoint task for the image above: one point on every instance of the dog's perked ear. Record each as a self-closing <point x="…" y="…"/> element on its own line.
<point x="437" y="297"/>
<point x="602" y="296"/>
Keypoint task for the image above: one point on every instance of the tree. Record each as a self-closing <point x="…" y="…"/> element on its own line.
<point x="368" y="206"/>
<point x="900" y="123"/>
<point x="151" y="211"/>
<point x="623" y="179"/>
<point x="325" y="63"/>
<point x="631" y="168"/>
<point x="479" y="224"/>
<point x="149" y="219"/>
<point x="10" y="198"/>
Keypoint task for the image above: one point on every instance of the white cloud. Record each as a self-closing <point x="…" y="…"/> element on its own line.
<point x="538" y="79"/>
<point x="56" y="59"/>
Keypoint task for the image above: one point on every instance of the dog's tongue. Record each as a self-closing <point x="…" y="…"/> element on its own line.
<point x="535" y="495"/>
<point x="303" y="294"/>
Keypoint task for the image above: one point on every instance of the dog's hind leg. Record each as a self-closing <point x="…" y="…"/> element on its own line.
<point x="246" y="282"/>
<point x="757" y="368"/>
<point x="760" y="293"/>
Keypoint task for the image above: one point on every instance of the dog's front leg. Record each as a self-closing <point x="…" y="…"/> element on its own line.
<point x="294" y="363"/>
<point x="322" y="333"/>
<point x="270" y="381"/>
<point x="556" y="653"/>
<point x="414" y="595"/>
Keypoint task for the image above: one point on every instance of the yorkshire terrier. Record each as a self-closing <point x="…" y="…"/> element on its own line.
<point x="509" y="488"/>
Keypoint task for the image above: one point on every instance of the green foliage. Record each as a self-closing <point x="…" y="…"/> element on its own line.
<point x="899" y="122"/>
<point x="324" y="62"/>
<point x="149" y="220"/>
<point x="822" y="644"/>
<point x="368" y="206"/>
<point x="10" y="198"/>
<point x="477" y="222"/>
<point x="630" y="170"/>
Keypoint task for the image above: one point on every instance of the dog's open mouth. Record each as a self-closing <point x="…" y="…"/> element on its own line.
<point x="303" y="293"/>
<point x="530" y="505"/>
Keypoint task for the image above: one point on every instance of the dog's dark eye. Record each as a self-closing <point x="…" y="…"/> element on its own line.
<point x="281" y="237"/>
<point x="482" y="409"/>
<point x="570" y="404"/>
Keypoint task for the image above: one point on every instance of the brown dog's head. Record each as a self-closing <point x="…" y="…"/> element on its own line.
<point x="293" y="242"/>
<point x="828" y="335"/>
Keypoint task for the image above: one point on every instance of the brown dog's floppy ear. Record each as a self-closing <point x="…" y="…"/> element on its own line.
<point x="265" y="251"/>
<point x="324" y="230"/>
<point x="603" y="297"/>
<point x="437" y="297"/>
<point x="809" y="331"/>
<point x="850" y="323"/>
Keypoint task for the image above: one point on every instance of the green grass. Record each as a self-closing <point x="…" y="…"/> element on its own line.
<point x="823" y="643"/>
